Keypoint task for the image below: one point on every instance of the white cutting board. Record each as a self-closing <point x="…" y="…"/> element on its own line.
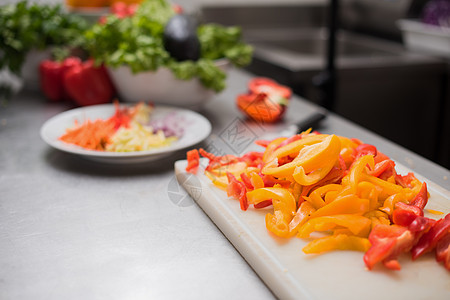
<point x="291" y="274"/>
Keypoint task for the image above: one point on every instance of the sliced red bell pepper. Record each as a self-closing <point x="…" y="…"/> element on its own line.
<point x="263" y="143"/>
<point x="421" y="199"/>
<point x="429" y="240"/>
<point x="237" y="189"/>
<point x="365" y="149"/>
<point x="217" y="161"/>
<point x="404" y="180"/>
<point x="246" y="181"/>
<point x="388" y="242"/>
<point x="443" y="251"/>
<point x="404" y="214"/>
<point x="263" y="204"/>
<point x="252" y="159"/>
<point x="193" y="160"/>
<point x="382" y="167"/>
<point x="87" y="84"/>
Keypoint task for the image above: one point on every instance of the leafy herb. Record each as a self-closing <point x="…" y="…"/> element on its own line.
<point x="218" y="41"/>
<point x="137" y="41"/>
<point x="36" y="26"/>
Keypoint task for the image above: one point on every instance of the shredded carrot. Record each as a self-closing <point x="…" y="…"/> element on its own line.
<point x="95" y="135"/>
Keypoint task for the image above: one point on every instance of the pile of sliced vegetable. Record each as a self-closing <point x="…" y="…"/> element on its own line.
<point x="127" y="130"/>
<point x="339" y="192"/>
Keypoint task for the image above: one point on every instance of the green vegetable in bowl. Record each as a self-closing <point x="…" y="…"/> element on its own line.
<point x="24" y="27"/>
<point x="138" y="42"/>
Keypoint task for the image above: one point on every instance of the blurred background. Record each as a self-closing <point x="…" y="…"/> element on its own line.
<point x="392" y="59"/>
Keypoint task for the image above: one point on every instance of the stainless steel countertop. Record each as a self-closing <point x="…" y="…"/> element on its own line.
<point x="75" y="229"/>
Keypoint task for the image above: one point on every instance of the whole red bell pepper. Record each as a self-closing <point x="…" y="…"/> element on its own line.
<point x="66" y="65"/>
<point x="87" y="84"/>
<point x="51" y="79"/>
<point x="51" y="76"/>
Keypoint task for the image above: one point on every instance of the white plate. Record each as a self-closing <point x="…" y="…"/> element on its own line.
<point x="338" y="275"/>
<point x="196" y="129"/>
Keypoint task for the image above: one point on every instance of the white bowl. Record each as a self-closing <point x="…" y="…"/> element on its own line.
<point x="162" y="87"/>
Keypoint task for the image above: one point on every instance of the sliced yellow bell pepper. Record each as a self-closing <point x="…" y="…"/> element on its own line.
<point x="347" y="147"/>
<point x="369" y="191"/>
<point x="301" y="216"/>
<point x="295" y="147"/>
<point x="219" y="181"/>
<point x="337" y="242"/>
<point x="357" y="171"/>
<point x="218" y="176"/>
<point x="388" y="188"/>
<point x="313" y="177"/>
<point x="316" y="196"/>
<point x="278" y="224"/>
<point x="378" y="217"/>
<point x="315" y="152"/>
<point x="272" y="147"/>
<point x="389" y="203"/>
<point x="282" y="199"/>
<point x="348" y="204"/>
<point x="256" y="180"/>
<point x="358" y="225"/>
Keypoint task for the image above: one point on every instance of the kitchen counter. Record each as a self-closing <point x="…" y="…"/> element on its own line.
<point x="77" y="229"/>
